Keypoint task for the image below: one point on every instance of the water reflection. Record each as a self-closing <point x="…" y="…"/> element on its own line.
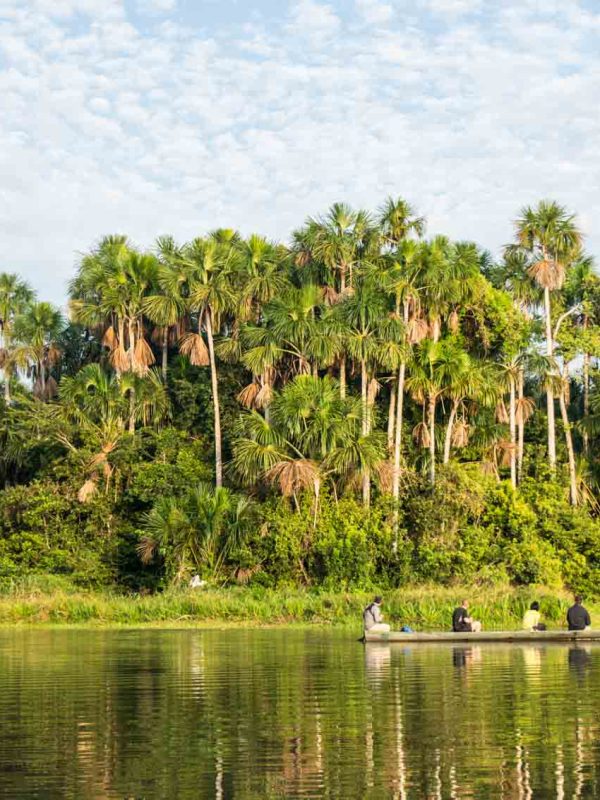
<point x="270" y="714"/>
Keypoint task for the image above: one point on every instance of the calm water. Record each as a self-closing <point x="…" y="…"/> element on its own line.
<point x="268" y="714"/>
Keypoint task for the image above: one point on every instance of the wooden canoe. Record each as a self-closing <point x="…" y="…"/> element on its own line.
<point x="485" y="636"/>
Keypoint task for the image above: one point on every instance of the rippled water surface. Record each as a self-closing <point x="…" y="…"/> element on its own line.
<point x="275" y="713"/>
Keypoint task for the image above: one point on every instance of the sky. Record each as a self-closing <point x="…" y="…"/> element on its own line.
<point x="149" y="117"/>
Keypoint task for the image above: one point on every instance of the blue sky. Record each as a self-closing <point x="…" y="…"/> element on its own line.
<point x="176" y="116"/>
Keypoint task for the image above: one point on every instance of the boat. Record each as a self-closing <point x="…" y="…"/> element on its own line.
<point x="484" y="636"/>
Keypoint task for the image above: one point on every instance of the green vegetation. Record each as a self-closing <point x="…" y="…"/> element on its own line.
<point x="426" y="607"/>
<point x="362" y="408"/>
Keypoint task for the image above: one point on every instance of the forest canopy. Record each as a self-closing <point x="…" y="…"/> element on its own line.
<point x="362" y="406"/>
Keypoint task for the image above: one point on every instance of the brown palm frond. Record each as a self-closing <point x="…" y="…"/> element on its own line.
<point x="243" y="575"/>
<point x="38" y="389"/>
<point x="460" y="434"/>
<point x="146" y="548"/>
<point x="384" y="471"/>
<point x="3" y="356"/>
<point x="330" y="296"/>
<point x="503" y="450"/>
<point x="489" y="468"/>
<point x="501" y="413"/>
<point x="434" y="328"/>
<point x="524" y="409"/>
<point x="293" y="476"/>
<point x="421" y="435"/>
<point x="53" y="355"/>
<point x="373" y="390"/>
<point x="417" y="330"/>
<point x="51" y="389"/>
<point x="110" y="338"/>
<point x="264" y="396"/>
<point x="87" y="491"/>
<point x="192" y="345"/>
<point x="247" y="396"/>
<point x="453" y="321"/>
<point x="143" y="357"/>
<point x="548" y="273"/>
<point x="119" y="358"/>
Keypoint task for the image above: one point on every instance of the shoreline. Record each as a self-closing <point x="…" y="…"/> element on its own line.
<point x="424" y="608"/>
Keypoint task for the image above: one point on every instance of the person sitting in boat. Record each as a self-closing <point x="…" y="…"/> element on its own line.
<point x="373" y="618"/>
<point x="578" y="618"/>
<point x="531" y="618"/>
<point x="462" y="622"/>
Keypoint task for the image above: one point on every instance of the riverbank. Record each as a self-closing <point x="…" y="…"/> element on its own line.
<point x="421" y="607"/>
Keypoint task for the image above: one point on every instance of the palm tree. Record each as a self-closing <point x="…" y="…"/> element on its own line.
<point x="37" y="330"/>
<point x="15" y="295"/>
<point x="338" y="242"/>
<point x="583" y="290"/>
<point x="212" y="263"/>
<point x="551" y="237"/>
<point x="198" y="532"/>
<point x="166" y="306"/>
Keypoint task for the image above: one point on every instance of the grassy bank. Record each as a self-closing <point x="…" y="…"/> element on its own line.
<point x="422" y="607"/>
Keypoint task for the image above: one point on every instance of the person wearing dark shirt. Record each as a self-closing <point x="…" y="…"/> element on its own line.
<point x="578" y="618"/>
<point x="462" y="622"/>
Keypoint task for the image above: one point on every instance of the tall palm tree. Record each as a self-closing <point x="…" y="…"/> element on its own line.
<point x="211" y="262"/>
<point x="337" y="241"/>
<point x="37" y="330"/>
<point x="15" y="295"/>
<point x="550" y="236"/>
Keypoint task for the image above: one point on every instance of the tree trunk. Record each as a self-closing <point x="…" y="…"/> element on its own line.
<point x="568" y="441"/>
<point x="165" y="354"/>
<point x="586" y="401"/>
<point x="366" y="478"/>
<point x="513" y="432"/>
<point x="132" y="411"/>
<point x="343" y="355"/>
<point x="432" y="440"/>
<point x="521" y="426"/>
<point x="215" y="395"/>
<point x="549" y="392"/>
<point x="391" y="418"/>
<point x="449" y="428"/>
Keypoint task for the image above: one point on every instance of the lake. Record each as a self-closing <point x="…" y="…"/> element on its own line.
<point x="293" y="713"/>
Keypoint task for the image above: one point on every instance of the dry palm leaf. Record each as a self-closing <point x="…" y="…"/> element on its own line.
<point x="460" y="434"/>
<point x="549" y="274"/>
<point x="87" y="491"/>
<point x="501" y="413"/>
<point x="330" y="296"/>
<point x="503" y="451"/>
<point x="293" y="476"/>
<point x="146" y="549"/>
<point x="51" y="389"/>
<point x="3" y="356"/>
<point x="143" y="357"/>
<point x="119" y="358"/>
<point x="489" y="468"/>
<point x="453" y="321"/>
<point x="244" y="574"/>
<point x="421" y="435"/>
<point x="434" y="328"/>
<point x="417" y="330"/>
<point x="384" y="471"/>
<point x="264" y="396"/>
<point x="192" y="345"/>
<point x="110" y="339"/>
<point x="524" y="409"/>
<point x="53" y="355"/>
<point x="247" y="397"/>
<point x="373" y="390"/>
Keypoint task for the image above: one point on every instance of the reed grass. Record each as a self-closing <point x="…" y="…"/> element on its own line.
<point x="421" y="607"/>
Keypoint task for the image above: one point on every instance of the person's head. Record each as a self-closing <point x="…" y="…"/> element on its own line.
<point x="535" y="606"/>
<point x="465" y="604"/>
<point x="578" y="599"/>
<point x="378" y="599"/>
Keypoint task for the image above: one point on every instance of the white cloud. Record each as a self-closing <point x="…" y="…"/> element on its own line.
<point x="374" y="11"/>
<point x="106" y="128"/>
<point x="155" y="6"/>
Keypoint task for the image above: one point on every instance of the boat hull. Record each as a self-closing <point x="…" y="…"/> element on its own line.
<point x="485" y="636"/>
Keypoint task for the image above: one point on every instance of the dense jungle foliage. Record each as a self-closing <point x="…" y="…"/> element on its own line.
<point x="363" y="407"/>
